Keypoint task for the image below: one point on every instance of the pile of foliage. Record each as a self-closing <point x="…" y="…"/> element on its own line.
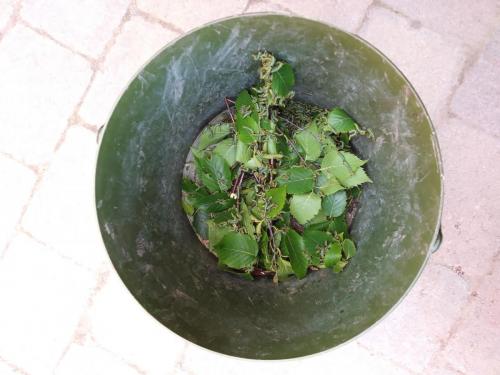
<point x="273" y="184"/>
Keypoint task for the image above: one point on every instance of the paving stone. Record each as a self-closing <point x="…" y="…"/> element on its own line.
<point x="475" y="346"/>
<point x="188" y="14"/>
<point x="117" y="322"/>
<point x="267" y="6"/>
<point x="62" y="212"/>
<point x="85" y="25"/>
<point x="346" y="15"/>
<point x="440" y="366"/>
<point x="472" y="208"/>
<point x="43" y="297"/>
<point x="138" y="42"/>
<point x="346" y="359"/>
<point x="476" y="100"/>
<point x="7" y="370"/>
<point x="17" y="182"/>
<point x="40" y="85"/>
<point x="492" y="51"/>
<point x="7" y="7"/>
<point x="470" y="22"/>
<point x="431" y="62"/>
<point x="412" y="333"/>
<point x="92" y="360"/>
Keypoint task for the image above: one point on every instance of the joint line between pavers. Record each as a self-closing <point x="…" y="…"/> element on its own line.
<point x="365" y="17"/>
<point x="14" y="17"/>
<point x="14" y="367"/>
<point x="153" y="19"/>
<point x="45" y="34"/>
<point x="78" y="336"/>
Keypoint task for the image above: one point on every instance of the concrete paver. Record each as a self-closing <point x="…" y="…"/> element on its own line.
<point x="85" y="26"/>
<point x="189" y="14"/>
<point x="43" y="298"/>
<point x="139" y="41"/>
<point x="477" y="98"/>
<point x="430" y="61"/>
<point x="62" y="213"/>
<point x="470" y="24"/>
<point x="41" y="84"/>
<point x="17" y="183"/>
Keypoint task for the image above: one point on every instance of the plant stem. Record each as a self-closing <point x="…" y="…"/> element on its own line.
<point x="226" y="100"/>
<point x="271" y="238"/>
<point x="295" y="225"/>
<point x="235" y="190"/>
<point x="291" y="123"/>
<point x="294" y="148"/>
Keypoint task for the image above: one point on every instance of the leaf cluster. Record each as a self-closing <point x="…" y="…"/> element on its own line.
<point x="273" y="185"/>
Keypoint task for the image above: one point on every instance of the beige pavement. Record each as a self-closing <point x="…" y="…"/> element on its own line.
<point x="63" y="309"/>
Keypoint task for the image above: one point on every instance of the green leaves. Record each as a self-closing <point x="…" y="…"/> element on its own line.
<point x="340" y="122"/>
<point x="333" y="165"/>
<point x="237" y="250"/>
<point x="200" y="223"/>
<point x="272" y="188"/>
<point x="247" y="119"/>
<point x="213" y="134"/>
<point x="294" y="244"/>
<point x="308" y="139"/>
<point x="352" y="160"/>
<point x="277" y="197"/>
<point x="216" y="233"/>
<point x="214" y="173"/>
<point x="226" y="149"/>
<point x="244" y="100"/>
<point x="247" y="129"/>
<point x="315" y="238"/>
<point x="328" y="184"/>
<point x="188" y="185"/>
<point x="187" y="207"/>
<point x="305" y="206"/>
<point x="211" y="202"/>
<point x="271" y="144"/>
<point x="284" y="269"/>
<point x="334" y="205"/>
<point x="343" y="167"/>
<point x="359" y="177"/>
<point x="333" y="254"/>
<point x="283" y="80"/>
<point x="338" y="225"/>
<point x="349" y="248"/>
<point x="243" y="152"/>
<point x="297" y="180"/>
<point x="219" y="170"/>
<point x="246" y="106"/>
<point x="253" y="163"/>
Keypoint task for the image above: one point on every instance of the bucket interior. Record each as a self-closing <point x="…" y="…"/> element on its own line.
<point x="154" y="248"/>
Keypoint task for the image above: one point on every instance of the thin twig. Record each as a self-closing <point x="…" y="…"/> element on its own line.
<point x="235" y="190"/>
<point x="295" y="225"/>
<point x="226" y="100"/>
<point x="291" y="123"/>
<point x="271" y="237"/>
<point x="271" y="165"/>
<point x="294" y="148"/>
<point x="239" y="184"/>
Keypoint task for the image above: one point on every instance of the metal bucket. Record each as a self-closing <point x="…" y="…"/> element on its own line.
<point x="157" y="254"/>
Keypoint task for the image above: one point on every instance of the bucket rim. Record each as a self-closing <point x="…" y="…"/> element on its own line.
<point x="435" y="144"/>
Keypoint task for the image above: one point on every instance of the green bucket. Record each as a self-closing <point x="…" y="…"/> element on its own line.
<point x="154" y="248"/>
